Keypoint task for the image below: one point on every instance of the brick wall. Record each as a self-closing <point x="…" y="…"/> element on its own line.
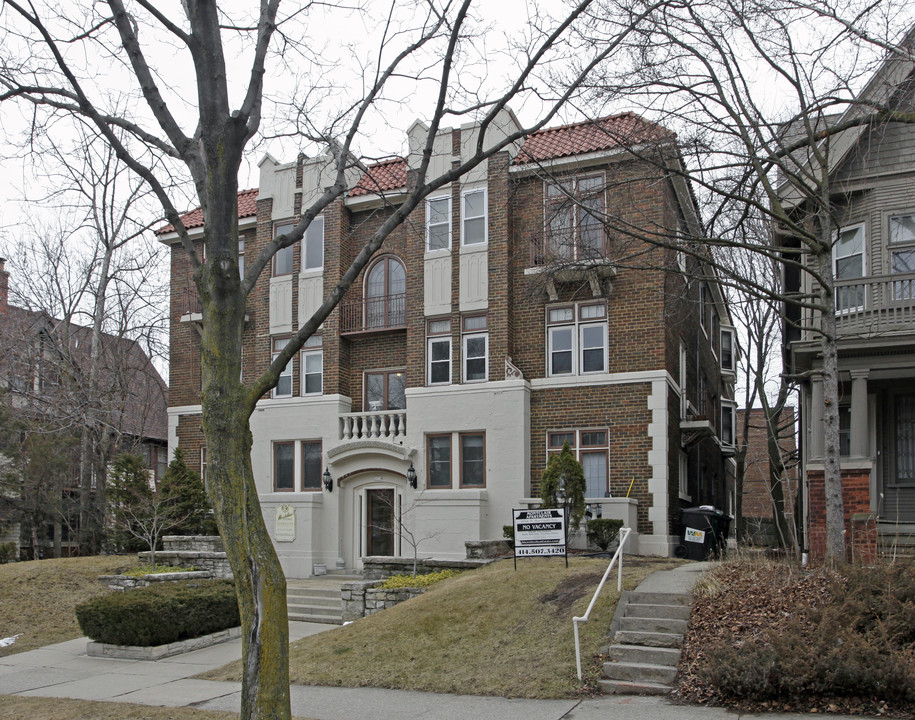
<point x="860" y="523"/>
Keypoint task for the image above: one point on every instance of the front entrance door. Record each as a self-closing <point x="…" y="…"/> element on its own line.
<point x="380" y="515"/>
<point x="899" y="480"/>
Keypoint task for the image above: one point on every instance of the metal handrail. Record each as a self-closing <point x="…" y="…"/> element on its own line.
<point x="624" y="536"/>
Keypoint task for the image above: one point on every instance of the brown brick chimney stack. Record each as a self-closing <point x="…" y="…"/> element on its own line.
<point x="4" y="286"/>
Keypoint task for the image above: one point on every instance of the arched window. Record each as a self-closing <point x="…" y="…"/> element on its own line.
<point x="385" y="294"/>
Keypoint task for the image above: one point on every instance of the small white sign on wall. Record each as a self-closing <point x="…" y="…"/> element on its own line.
<point x="284" y="523"/>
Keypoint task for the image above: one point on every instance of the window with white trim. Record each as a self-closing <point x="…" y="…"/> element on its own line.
<point x="475" y="348"/>
<point x="312" y="366"/>
<point x="728" y="433"/>
<point x="728" y="350"/>
<point x="438" y="223"/>
<point x="282" y="260"/>
<point x="438" y="352"/>
<point x="241" y="258"/>
<point x="313" y="245"/>
<point x="284" y="382"/>
<point x="848" y="265"/>
<point x="902" y="254"/>
<point x="203" y="464"/>
<point x="592" y="450"/>
<point x="577" y="339"/>
<point x="473" y="217"/>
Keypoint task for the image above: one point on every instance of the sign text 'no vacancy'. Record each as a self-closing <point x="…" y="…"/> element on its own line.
<point x="539" y="533"/>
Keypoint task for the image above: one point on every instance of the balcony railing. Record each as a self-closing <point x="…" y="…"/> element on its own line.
<point x="383" y="425"/>
<point x="387" y="312"/>
<point x="190" y="302"/>
<point x="875" y="305"/>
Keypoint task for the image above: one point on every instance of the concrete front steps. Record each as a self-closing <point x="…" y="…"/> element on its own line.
<point x="317" y="599"/>
<point x="649" y="632"/>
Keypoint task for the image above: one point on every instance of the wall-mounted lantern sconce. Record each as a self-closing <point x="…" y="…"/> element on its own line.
<point x="328" y="480"/>
<point x="411" y="476"/>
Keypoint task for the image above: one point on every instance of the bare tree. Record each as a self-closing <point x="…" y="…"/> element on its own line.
<point x="433" y="46"/>
<point x="94" y="291"/>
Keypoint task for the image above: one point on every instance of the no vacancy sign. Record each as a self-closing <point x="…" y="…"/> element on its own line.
<point x="539" y="533"/>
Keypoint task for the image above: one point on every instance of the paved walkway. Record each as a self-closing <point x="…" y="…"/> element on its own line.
<point x="64" y="670"/>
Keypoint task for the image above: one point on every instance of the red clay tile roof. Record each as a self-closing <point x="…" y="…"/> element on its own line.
<point x="590" y="136"/>
<point x="384" y="176"/>
<point x="549" y="144"/>
<point x="247" y="207"/>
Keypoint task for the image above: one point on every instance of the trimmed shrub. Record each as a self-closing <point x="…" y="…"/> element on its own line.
<point x="603" y="531"/>
<point x="160" y="614"/>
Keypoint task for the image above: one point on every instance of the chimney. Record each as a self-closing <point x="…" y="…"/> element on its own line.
<point x="4" y="286"/>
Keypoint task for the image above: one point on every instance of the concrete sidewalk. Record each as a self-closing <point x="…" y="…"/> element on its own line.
<point x="64" y="670"/>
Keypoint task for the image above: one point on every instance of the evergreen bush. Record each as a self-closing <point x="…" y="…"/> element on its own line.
<point x="160" y="614"/>
<point x="603" y="531"/>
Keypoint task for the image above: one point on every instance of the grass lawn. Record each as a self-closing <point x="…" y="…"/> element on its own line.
<point x="37" y="598"/>
<point x="492" y="631"/>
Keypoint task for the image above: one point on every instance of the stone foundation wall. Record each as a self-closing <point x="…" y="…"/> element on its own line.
<point x="486" y="549"/>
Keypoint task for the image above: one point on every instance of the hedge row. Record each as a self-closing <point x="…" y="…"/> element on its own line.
<point x="161" y="614"/>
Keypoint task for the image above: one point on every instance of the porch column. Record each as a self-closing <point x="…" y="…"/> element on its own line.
<point x="816" y="418"/>
<point x="859" y="426"/>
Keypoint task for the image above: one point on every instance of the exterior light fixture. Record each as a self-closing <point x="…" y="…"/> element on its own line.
<point x="411" y="476"/>
<point x="328" y="480"/>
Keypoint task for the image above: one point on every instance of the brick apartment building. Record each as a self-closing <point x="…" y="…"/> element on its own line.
<point x="498" y="322"/>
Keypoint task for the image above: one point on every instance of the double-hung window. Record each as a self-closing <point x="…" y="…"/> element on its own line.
<point x="438" y="223"/>
<point x="848" y="266"/>
<point x="577" y="339"/>
<point x="282" y="260"/>
<point x="475" y="348"/>
<point x="284" y="383"/>
<point x="312" y="366"/>
<point x="591" y="448"/>
<point x="438" y="453"/>
<point x="728" y="350"/>
<point x="438" y="352"/>
<point x="574" y="219"/>
<point x="902" y="255"/>
<point x="473" y="459"/>
<point x="311" y="465"/>
<point x="728" y="433"/>
<point x="284" y="466"/>
<point x="313" y="245"/>
<point x="473" y="217"/>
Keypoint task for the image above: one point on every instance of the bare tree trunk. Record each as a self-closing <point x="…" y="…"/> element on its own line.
<point x="832" y="474"/>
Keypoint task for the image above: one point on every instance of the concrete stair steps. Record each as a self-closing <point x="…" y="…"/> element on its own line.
<point x="640" y="672"/>
<point x="333" y="592"/>
<point x="324" y="619"/>
<point x="643" y="654"/>
<point x="624" y="687"/>
<point x="659" y="598"/>
<point x="651" y="610"/>
<point x="313" y="609"/>
<point x="332" y="602"/>
<point x="653" y="624"/>
<point x="649" y="639"/>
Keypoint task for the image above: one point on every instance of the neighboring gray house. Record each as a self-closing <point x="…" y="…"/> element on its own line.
<point x="873" y="187"/>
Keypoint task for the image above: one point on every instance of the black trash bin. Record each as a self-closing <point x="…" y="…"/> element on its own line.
<point x="704" y="532"/>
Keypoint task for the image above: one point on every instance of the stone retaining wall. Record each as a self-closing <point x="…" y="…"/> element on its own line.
<point x="214" y="562"/>
<point x="361" y="599"/>
<point x="157" y="652"/>
<point x="195" y="543"/>
<point x="485" y="549"/>
<point x="379" y="568"/>
<point x="126" y="582"/>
